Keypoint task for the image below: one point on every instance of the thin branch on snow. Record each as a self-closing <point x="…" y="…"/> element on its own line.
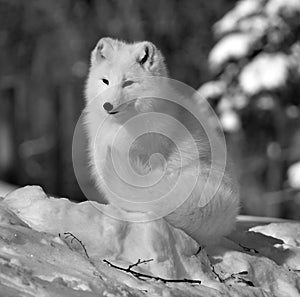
<point x="234" y="276"/>
<point x="143" y="276"/>
<point x="215" y="273"/>
<point x="69" y="234"/>
<point x="294" y="270"/>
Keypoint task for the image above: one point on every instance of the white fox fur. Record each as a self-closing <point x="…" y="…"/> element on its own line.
<point x="119" y="75"/>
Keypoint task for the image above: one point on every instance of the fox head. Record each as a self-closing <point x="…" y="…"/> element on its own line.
<point x="119" y="75"/>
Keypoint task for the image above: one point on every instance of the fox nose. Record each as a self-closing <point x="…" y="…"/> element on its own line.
<point x="108" y="106"/>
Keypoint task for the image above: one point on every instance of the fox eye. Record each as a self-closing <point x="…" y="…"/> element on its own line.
<point x="105" y="81"/>
<point x="127" y="83"/>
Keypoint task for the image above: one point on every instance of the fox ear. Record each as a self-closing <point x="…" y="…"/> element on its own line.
<point x="146" y="55"/>
<point x="103" y="49"/>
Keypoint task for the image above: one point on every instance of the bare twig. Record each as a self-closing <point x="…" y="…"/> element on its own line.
<point x="143" y="276"/>
<point x="294" y="270"/>
<point x="240" y="279"/>
<point x="199" y="250"/>
<point x="237" y="276"/>
<point x="216" y="274"/>
<point x="69" y="234"/>
<point x="234" y="276"/>
<point x="139" y="261"/>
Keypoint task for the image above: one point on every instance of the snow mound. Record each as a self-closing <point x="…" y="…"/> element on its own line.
<point x="288" y="232"/>
<point x="54" y="247"/>
<point x="265" y="72"/>
<point x="119" y="239"/>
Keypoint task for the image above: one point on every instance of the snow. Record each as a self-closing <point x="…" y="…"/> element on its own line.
<point x="233" y="46"/>
<point x="212" y="89"/>
<point x="230" y="121"/>
<point x="225" y="104"/>
<point x="292" y="111"/>
<point x="295" y="57"/>
<point x="264" y="261"/>
<point x="287" y="7"/>
<point x="256" y="25"/>
<point x="288" y="232"/>
<point x="294" y="175"/>
<point x="242" y="10"/>
<point x="89" y="223"/>
<point x="248" y="15"/>
<point x="239" y="100"/>
<point x="265" y="72"/>
<point x="265" y="102"/>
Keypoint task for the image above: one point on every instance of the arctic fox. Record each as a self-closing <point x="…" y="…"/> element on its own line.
<point x="167" y="149"/>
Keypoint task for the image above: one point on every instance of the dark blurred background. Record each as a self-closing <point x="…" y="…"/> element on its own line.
<point x="244" y="57"/>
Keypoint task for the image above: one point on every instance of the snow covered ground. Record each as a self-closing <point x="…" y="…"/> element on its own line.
<point x="54" y="247"/>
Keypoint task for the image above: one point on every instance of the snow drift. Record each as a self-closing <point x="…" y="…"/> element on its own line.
<point x="54" y="247"/>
